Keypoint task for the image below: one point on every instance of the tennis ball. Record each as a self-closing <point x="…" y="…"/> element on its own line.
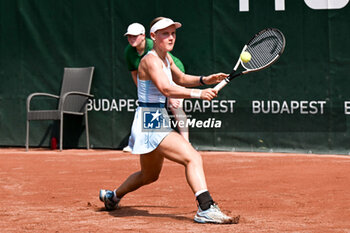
<point x="245" y="57"/>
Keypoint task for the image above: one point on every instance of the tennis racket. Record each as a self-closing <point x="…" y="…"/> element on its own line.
<point x="265" y="48"/>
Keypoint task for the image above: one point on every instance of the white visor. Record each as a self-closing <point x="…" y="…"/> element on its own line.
<point x="164" y="23"/>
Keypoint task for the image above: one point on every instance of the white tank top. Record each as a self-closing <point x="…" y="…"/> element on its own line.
<point x="147" y="92"/>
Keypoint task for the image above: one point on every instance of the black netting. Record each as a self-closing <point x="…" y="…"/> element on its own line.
<point x="264" y="48"/>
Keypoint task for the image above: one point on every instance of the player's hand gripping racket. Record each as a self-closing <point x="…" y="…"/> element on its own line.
<point x="265" y="48"/>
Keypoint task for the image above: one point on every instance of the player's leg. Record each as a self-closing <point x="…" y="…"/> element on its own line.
<point x="182" y="152"/>
<point x="151" y="166"/>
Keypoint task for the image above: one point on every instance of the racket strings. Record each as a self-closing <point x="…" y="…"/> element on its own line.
<point x="264" y="48"/>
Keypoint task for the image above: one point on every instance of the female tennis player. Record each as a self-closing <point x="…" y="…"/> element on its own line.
<point x="152" y="140"/>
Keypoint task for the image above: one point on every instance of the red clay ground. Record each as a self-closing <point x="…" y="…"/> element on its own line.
<point x="51" y="191"/>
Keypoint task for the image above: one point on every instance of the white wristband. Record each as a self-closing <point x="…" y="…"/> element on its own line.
<point x="196" y="94"/>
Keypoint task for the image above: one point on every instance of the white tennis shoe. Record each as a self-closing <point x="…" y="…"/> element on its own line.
<point x="106" y="196"/>
<point x="214" y="215"/>
<point x="127" y="149"/>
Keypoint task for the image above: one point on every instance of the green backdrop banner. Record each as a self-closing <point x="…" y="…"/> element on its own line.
<point x="300" y="104"/>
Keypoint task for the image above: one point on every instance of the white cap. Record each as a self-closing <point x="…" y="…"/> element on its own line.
<point x="164" y="23"/>
<point x="135" y="29"/>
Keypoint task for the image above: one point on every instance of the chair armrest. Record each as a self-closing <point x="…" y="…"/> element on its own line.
<point x="63" y="99"/>
<point x="76" y="93"/>
<point x="29" y="98"/>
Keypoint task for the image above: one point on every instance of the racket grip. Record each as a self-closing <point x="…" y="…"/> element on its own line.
<point x="221" y="84"/>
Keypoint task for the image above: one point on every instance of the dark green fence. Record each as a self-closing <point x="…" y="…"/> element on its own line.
<point x="300" y="104"/>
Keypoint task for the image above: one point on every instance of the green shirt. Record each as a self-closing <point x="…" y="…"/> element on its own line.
<point x="133" y="58"/>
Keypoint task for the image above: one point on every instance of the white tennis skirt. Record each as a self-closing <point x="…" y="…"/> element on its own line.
<point x="150" y="126"/>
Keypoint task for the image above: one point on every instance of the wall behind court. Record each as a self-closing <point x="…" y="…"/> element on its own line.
<point x="300" y="104"/>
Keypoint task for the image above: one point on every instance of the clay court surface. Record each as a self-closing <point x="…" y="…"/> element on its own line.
<point x="51" y="191"/>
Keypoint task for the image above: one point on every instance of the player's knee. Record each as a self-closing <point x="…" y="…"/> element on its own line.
<point x="195" y="159"/>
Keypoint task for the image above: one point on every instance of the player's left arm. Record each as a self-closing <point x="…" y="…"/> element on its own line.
<point x="187" y="80"/>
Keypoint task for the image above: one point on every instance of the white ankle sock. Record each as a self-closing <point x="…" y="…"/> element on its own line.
<point x="115" y="198"/>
